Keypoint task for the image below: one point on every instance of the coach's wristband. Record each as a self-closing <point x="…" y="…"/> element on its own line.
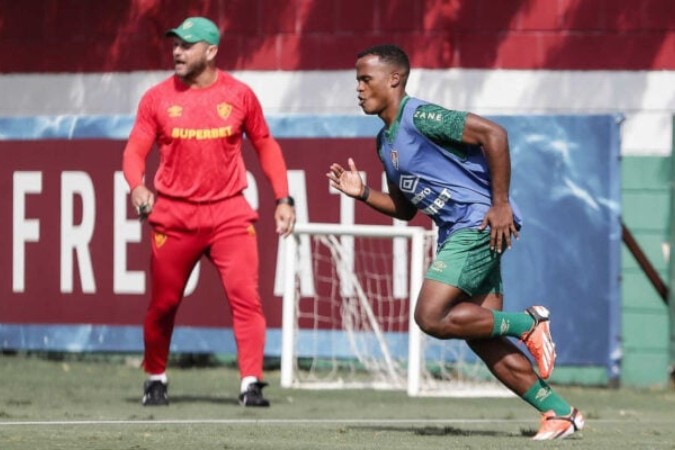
<point x="286" y="200"/>
<point x="365" y="194"/>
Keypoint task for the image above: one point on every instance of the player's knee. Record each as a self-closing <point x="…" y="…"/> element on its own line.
<point x="245" y="305"/>
<point x="438" y="327"/>
<point x="421" y="320"/>
<point x="428" y="324"/>
<point x="164" y="308"/>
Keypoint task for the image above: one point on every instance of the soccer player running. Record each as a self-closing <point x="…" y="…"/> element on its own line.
<point x="197" y="118"/>
<point x="455" y="167"/>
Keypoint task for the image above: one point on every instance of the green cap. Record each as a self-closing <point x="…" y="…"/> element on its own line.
<point x="195" y="29"/>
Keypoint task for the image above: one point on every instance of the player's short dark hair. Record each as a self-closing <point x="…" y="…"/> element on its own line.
<point x="389" y="53"/>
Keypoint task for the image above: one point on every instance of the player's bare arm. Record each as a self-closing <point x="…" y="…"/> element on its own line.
<point x="494" y="141"/>
<point x="350" y="183"/>
<point x="404" y="210"/>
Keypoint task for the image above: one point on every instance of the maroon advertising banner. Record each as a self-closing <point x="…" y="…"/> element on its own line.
<point x="74" y="252"/>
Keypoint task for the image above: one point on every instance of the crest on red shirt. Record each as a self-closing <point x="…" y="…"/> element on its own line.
<point x="224" y="110"/>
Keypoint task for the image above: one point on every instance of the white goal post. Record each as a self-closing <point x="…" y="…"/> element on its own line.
<point x="348" y="296"/>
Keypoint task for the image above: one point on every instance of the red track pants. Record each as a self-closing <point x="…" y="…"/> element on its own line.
<point x="182" y="232"/>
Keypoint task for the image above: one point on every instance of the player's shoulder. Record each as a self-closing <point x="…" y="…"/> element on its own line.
<point x="420" y="104"/>
<point x="170" y="82"/>
<point x="162" y="87"/>
<point x="413" y="106"/>
<point x="422" y="110"/>
<point x="229" y="81"/>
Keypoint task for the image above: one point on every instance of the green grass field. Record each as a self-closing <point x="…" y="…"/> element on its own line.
<point x="84" y="403"/>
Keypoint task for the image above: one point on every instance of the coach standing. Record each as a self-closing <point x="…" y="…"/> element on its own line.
<point x="197" y="118"/>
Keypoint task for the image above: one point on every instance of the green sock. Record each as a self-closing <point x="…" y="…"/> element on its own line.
<point x="542" y="397"/>
<point x="511" y="324"/>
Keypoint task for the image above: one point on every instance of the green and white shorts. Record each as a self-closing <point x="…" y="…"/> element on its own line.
<point x="466" y="261"/>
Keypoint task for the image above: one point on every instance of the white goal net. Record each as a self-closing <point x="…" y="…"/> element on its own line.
<point x="347" y="322"/>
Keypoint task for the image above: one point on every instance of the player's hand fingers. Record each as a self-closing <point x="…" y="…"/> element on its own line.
<point x="285" y="219"/>
<point x="507" y="239"/>
<point x="335" y="173"/>
<point x="332" y="176"/>
<point x="286" y="228"/>
<point x="495" y="240"/>
<point x="142" y="196"/>
<point x="352" y="165"/>
<point x="336" y="169"/>
<point x="149" y="203"/>
<point x="514" y="232"/>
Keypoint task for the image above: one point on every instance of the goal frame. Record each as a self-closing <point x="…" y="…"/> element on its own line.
<point x="417" y="253"/>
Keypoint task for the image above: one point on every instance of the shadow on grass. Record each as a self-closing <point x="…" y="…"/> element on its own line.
<point x="186" y="399"/>
<point x="446" y="431"/>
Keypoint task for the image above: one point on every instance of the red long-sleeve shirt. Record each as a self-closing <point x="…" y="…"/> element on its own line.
<point x="199" y="134"/>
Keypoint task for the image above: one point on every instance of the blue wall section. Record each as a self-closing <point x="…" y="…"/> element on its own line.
<point x="566" y="178"/>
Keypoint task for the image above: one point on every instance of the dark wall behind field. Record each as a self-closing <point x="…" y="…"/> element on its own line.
<point x="128" y="35"/>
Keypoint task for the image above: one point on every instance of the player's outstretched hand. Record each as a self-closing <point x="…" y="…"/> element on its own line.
<point x="347" y="181"/>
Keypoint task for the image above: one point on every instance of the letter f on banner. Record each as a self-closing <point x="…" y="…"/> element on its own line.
<point x="23" y="229"/>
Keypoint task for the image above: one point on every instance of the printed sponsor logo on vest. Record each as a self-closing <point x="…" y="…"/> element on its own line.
<point x="438" y="203"/>
<point x="438" y="117"/>
<point x="420" y="196"/>
<point x="201" y="133"/>
<point x="175" y="111"/>
<point x="407" y="183"/>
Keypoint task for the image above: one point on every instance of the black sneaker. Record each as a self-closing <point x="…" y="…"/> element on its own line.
<point x="155" y="393"/>
<point x="253" y="395"/>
